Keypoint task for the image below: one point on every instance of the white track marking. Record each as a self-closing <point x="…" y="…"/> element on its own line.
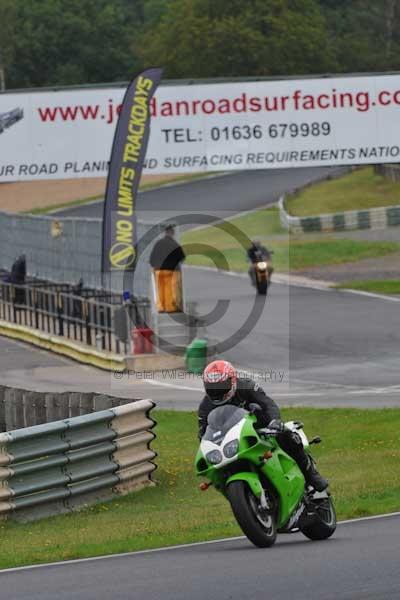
<point x="347" y="390"/>
<point x="200" y="390"/>
<point x="372" y="518"/>
<point x="281" y="279"/>
<point x="73" y="207"/>
<point x="246" y="370"/>
<point x="325" y="383"/>
<point x="369" y="295"/>
<point x="165" y="549"/>
<point x="382" y="390"/>
<point x="174" y="386"/>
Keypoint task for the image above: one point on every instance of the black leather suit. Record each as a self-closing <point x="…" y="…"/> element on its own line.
<point x="248" y="392"/>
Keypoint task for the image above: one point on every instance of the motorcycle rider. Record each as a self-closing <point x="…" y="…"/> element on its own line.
<point x="223" y="386"/>
<point x="256" y="253"/>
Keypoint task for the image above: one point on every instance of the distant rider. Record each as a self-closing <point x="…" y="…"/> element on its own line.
<point x="257" y="253"/>
<point x="223" y="386"/>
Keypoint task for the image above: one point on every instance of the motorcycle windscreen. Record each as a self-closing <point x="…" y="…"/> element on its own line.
<point x="221" y="420"/>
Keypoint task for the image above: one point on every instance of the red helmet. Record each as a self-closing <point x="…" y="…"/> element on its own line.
<point x="220" y="381"/>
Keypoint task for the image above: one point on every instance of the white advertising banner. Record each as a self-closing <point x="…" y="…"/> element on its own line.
<point x="206" y="127"/>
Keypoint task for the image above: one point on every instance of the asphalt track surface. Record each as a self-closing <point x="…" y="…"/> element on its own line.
<point x="222" y="195"/>
<point x="323" y="335"/>
<point x="333" y="348"/>
<point x="360" y="562"/>
<point x="306" y="347"/>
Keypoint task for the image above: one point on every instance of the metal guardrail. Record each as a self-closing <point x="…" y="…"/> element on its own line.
<point x="60" y="465"/>
<point x="85" y="320"/>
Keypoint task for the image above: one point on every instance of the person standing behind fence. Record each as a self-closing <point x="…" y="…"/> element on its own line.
<point x="166" y="258"/>
<point x="17" y="277"/>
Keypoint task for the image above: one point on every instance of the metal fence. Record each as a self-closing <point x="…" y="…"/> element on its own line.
<point x="67" y="249"/>
<point x="89" y="320"/>
<point x="391" y="172"/>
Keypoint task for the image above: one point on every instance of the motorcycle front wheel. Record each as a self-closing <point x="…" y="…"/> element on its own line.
<point x="323" y="524"/>
<point x="258" y="524"/>
<point x="262" y="288"/>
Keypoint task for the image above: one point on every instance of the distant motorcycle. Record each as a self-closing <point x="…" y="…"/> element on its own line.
<point x="260" y="273"/>
<point x="263" y="484"/>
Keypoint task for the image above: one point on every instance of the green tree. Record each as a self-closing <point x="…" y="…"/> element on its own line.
<point x="64" y="42"/>
<point x="55" y="42"/>
<point x="7" y="37"/>
<point x="205" y="38"/>
<point x="364" y="34"/>
<point x="146" y="12"/>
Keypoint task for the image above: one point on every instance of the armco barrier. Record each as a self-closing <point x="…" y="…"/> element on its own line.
<point x="57" y="467"/>
<point x="373" y="218"/>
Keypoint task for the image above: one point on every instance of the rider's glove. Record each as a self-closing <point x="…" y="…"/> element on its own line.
<point x="254" y="408"/>
<point x="277" y="424"/>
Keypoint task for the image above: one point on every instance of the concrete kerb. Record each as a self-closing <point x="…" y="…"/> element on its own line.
<point x="59" y="345"/>
<point x="85" y="354"/>
<point x="373" y="218"/>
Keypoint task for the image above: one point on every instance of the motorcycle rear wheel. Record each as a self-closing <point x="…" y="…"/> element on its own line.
<point x="324" y="521"/>
<point x="258" y="525"/>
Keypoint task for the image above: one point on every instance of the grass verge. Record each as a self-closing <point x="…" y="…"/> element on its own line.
<point x="222" y="246"/>
<point x="380" y="286"/>
<point x="142" y="187"/>
<point x="360" y="455"/>
<point x="361" y="189"/>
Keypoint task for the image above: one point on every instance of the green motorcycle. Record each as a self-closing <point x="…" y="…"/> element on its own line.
<point x="264" y="485"/>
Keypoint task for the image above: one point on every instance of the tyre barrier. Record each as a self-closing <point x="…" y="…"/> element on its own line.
<point x="373" y="218"/>
<point x="60" y="466"/>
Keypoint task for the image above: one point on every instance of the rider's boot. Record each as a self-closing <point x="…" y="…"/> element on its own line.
<point x="314" y="478"/>
<point x="291" y="443"/>
<point x="252" y="275"/>
<point x="309" y="470"/>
